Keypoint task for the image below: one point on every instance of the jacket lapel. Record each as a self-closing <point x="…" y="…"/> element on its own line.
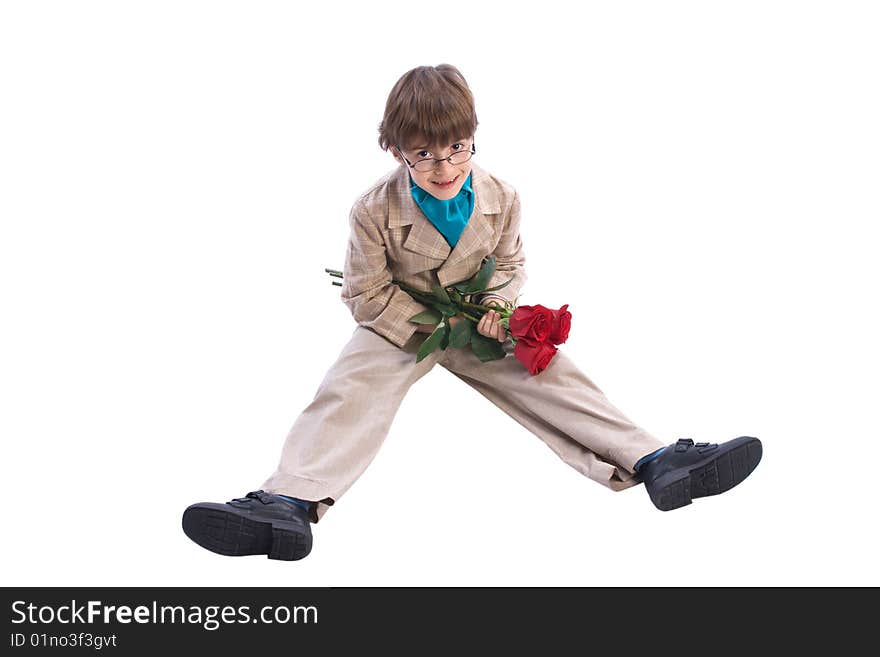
<point x="426" y="240"/>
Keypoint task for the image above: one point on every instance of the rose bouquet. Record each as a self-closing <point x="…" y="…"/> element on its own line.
<point x="537" y="331"/>
<point x="534" y="330"/>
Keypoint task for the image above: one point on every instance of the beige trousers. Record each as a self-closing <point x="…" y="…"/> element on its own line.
<point x="341" y="430"/>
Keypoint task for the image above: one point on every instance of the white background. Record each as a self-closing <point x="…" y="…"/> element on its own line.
<point x="699" y="181"/>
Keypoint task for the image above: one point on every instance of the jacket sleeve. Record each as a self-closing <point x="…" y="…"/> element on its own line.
<point x="510" y="259"/>
<point x="367" y="290"/>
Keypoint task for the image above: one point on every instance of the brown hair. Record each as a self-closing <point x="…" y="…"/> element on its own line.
<point x="428" y="102"/>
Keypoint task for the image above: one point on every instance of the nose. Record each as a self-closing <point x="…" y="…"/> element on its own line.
<point x="443" y="166"/>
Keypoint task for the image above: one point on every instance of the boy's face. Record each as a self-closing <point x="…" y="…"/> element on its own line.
<point x="431" y="181"/>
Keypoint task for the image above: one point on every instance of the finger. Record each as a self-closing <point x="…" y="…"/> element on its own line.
<point x="496" y="327"/>
<point x="487" y="324"/>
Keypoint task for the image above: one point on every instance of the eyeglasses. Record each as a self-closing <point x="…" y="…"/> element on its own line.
<point x="429" y="164"/>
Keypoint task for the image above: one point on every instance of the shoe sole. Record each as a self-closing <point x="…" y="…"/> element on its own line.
<point x="720" y="471"/>
<point x="218" y="528"/>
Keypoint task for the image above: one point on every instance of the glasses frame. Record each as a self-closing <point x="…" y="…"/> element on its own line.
<point x="436" y="161"/>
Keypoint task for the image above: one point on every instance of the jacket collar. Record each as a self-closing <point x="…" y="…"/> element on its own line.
<point x="426" y="240"/>
<point x="406" y="212"/>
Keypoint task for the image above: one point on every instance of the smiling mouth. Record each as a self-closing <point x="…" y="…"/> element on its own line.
<point x="447" y="182"/>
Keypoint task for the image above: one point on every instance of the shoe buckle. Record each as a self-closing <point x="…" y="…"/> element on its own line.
<point x="683" y="444"/>
<point x="263" y="496"/>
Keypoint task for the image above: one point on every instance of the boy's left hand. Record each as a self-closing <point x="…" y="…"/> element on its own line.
<point x="490" y="323"/>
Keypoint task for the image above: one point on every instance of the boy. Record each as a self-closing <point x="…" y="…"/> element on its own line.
<point x="435" y="219"/>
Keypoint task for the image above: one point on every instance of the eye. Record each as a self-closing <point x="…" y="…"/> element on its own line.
<point x="422" y="154"/>
<point x="459" y="145"/>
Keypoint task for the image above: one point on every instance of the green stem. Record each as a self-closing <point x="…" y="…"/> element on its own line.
<point x="477" y="306"/>
<point x="427" y="297"/>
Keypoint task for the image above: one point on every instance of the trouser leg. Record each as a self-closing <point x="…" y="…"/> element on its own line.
<point x="340" y="432"/>
<point x="564" y="408"/>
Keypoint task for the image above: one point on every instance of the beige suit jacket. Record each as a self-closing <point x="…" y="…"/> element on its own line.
<point x="392" y="239"/>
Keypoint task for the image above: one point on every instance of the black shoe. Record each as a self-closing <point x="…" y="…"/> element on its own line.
<point x="686" y="470"/>
<point x="260" y="523"/>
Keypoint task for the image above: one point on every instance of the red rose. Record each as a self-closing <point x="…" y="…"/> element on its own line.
<point x="534" y="355"/>
<point x="561" y="325"/>
<point x="532" y="322"/>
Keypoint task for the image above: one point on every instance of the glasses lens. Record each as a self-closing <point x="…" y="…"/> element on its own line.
<point x="460" y="157"/>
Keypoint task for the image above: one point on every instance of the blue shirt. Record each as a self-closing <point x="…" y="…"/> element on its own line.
<point x="448" y="216"/>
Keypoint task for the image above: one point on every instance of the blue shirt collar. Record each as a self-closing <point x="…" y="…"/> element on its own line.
<point x="448" y="216"/>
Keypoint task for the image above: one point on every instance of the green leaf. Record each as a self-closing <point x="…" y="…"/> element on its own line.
<point x="497" y="287"/>
<point x="447" y="310"/>
<point x="487" y="349"/>
<point x="482" y="277"/>
<point x="432" y="342"/>
<point x="423" y="298"/>
<point x="427" y="317"/>
<point x="462" y="287"/>
<point x="440" y="292"/>
<point x="461" y="334"/>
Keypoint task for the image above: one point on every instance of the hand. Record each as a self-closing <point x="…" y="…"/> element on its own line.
<point x="490" y="323"/>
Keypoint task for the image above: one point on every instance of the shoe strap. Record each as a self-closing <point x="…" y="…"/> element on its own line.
<point x="263" y="496"/>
